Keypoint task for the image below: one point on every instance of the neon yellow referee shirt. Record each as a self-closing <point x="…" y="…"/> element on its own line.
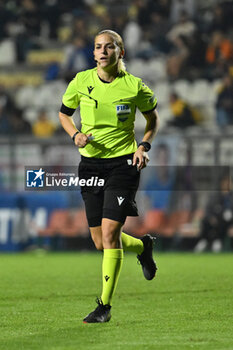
<point x="108" y="111"/>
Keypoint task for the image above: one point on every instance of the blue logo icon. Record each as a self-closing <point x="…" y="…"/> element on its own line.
<point x="35" y="178"/>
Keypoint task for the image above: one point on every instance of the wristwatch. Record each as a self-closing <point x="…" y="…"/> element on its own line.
<point x="146" y="145"/>
<point x="73" y="137"/>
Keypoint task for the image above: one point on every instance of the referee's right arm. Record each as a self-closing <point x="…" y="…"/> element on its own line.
<point x="68" y="125"/>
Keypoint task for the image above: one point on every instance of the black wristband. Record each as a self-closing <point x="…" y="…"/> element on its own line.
<point x="146" y="145"/>
<point x="73" y="137"/>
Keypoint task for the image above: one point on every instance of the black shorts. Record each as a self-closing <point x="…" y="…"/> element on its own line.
<point x="116" y="199"/>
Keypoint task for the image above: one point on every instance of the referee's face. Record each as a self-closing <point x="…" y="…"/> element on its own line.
<point x="106" y="52"/>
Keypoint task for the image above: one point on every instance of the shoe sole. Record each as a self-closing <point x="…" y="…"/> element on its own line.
<point x="97" y="321"/>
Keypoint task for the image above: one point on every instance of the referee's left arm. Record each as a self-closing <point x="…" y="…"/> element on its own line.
<point x="140" y="157"/>
<point x="152" y="126"/>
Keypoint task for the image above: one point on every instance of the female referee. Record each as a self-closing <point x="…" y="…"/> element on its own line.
<point x="108" y="97"/>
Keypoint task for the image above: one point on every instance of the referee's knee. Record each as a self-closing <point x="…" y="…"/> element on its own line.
<point x="97" y="241"/>
<point x="98" y="245"/>
<point x="96" y="235"/>
<point x="111" y="236"/>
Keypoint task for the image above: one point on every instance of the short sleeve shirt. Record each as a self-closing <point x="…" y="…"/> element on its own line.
<point x="108" y="111"/>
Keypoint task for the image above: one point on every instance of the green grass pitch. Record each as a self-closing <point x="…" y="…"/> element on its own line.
<point x="43" y="298"/>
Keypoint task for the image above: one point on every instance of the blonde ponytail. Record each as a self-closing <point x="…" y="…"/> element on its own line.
<point x="121" y="65"/>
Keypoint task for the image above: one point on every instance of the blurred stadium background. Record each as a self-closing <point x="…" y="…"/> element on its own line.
<point x="183" y="49"/>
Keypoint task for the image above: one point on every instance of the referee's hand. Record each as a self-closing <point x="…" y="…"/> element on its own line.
<point x="81" y="140"/>
<point x="140" y="158"/>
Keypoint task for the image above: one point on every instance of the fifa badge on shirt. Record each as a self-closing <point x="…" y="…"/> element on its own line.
<point x="122" y="112"/>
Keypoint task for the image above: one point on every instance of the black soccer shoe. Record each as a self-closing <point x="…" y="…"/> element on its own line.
<point x="146" y="258"/>
<point x="100" y="315"/>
